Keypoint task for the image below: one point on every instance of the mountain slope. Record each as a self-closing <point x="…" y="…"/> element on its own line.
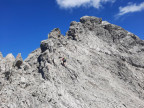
<point x="104" y="69"/>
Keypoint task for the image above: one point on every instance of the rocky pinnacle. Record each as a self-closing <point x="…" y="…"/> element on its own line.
<point x="1" y="56"/>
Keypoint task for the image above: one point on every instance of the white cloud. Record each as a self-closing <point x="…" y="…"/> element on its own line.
<point x="78" y="3"/>
<point x="130" y="8"/>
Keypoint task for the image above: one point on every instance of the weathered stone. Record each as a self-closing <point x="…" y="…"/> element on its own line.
<point x="90" y="19"/>
<point x="10" y="57"/>
<point x="90" y="23"/>
<point x="1" y="56"/>
<point x="105" y="23"/>
<point x="75" y="29"/>
<point x="104" y="68"/>
<point x="55" y="33"/>
<point x="18" y="61"/>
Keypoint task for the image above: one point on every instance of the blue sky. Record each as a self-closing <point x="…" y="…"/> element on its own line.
<point x="25" y="23"/>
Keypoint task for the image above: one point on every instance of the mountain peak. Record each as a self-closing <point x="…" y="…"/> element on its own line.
<point x="10" y="57"/>
<point x="55" y="33"/>
<point x="96" y="65"/>
<point x="90" y="19"/>
<point x="18" y="61"/>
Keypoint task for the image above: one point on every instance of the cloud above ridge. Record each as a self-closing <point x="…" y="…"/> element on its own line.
<point x="77" y="3"/>
<point x="130" y="8"/>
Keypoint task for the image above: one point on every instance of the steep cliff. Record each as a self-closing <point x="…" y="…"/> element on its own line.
<point x="104" y="69"/>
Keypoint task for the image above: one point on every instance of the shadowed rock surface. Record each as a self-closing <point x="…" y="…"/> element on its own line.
<point x="18" y="61"/>
<point x="104" y="69"/>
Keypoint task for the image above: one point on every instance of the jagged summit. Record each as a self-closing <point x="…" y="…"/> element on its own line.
<point x="10" y="57"/>
<point x="55" y="32"/>
<point x="104" y="68"/>
<point x="90" y="20"/>
<point x="18" y="62"/>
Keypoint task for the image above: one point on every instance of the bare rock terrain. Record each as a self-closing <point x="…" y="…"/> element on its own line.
<point x="104" y="69"/>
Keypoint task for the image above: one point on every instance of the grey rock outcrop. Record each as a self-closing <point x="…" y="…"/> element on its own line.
<point x="6" y="63"/>
<point x="91" y="21"/>
<point x="104" y="69"/>
<point x="10" y="57"/>
<point x="56" y="40"/>
<point x="1" y="56"/>
<point x="18" y="61"/>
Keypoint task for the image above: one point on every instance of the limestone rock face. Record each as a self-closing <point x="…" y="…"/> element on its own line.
<point x="18" y="61"/>
<point x="104" y="69"/>
<point x="55" y="40"/>
<point x="55" y="33"/>
<point x="90" y="20"/>
<point x="6" y="66"/>
<point x="6" y="63"/>
<point x="10" y="57"/>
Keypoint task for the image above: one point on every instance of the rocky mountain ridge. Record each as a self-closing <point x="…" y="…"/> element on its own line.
<point x="104" y="69"/>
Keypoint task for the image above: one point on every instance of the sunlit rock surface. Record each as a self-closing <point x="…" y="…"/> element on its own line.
<point x="104" y="69"/>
